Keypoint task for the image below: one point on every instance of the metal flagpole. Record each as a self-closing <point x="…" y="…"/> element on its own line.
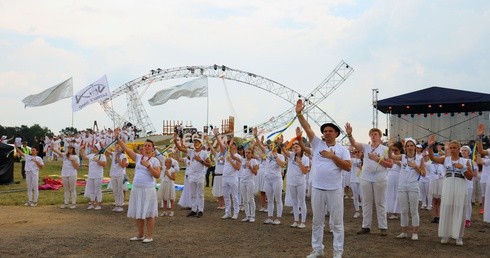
<point x="207" y="107"/>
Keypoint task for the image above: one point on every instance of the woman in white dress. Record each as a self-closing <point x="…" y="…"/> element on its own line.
<point x="143" y="203"/>
<point x="392" y="204"/>
<point x="454" y="193"/>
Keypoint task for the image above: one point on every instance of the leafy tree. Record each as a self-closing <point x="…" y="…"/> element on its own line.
<point x="69" y="131"/>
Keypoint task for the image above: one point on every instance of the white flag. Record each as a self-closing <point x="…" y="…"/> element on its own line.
<point x="95" y="92"/>
<point x="193" y="89"/>
<point x="51" y="95"/>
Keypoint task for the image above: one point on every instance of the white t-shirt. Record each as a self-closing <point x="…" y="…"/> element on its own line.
<point x="67" y="169"/>
<point x="295" y="176"/>
<point x="247" y="175"/>
<point x="142" y="176"/>
<point x="94" y="169"/>
<point x="372" y="171"/>
<point x="165" y="178"/>
<point x="327" y="176"/>
<point x="485" y="172"/>
<point x="228" y="170"/>
<point x="408" y="174"/>
<point x="116" y="169"/>
<point x="31" y="166"/>
<point x="355" y="170"/>
<point x="273" y="170"/>
<point x="196" y="170"/>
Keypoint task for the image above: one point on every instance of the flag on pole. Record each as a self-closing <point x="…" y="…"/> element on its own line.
<point x="95" y="92"/>
<point x="193" y="89"/>
<point x="60" y="91"/>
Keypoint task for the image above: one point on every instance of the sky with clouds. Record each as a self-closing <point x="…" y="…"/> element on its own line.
<point x="394" y="46"/>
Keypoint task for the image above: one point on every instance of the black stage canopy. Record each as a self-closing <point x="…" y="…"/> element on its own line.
<point x="436" y="100"/>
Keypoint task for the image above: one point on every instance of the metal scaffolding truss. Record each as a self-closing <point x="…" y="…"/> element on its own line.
<point x="341" y="72"/>
<point x="138" y="116"/>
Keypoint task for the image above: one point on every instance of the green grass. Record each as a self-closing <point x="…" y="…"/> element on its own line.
<point x="16" y="194"/>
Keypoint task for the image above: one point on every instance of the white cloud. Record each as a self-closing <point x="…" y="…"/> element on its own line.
<point x="396" y="46"/>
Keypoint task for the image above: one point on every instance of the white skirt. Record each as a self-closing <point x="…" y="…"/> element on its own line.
<point x="435" y="188"/>
<point x="217" y="188"/>
<point x="166" y="192"/>
<point x="453" y="207"/>
<point x="259" y="184"/>
<point x="143" y="202"/>
<point x="185" y="197"/>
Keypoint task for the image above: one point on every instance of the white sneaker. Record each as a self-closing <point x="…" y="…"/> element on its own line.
<point x="90" y="207"/>
<point x="276" y="222"/>
<point x="33" y="204"/>
<point x="302" y="225"/>
<point x="268" y="221"/>
<point x="415" y="237"/>
<point x="171" y="214"/>
<point x="423" y="207"/>
<point x="235" y="216"/>
<point x="316" y="253"/>
<point x="119" y="209"/>
<point x="294" y="225"/>
<point x="356" y="215"/>
<point x="251" y="220"/>
<point x="402" y="235"/>
<point x="337" y="254"/>
<point x="226" y="216"/>
<point x="28" y="203"/>
<point x="444" y="240"/>
<point x="245" y="219"/>
<point x="429" y="208"/>
<point x="163" y="214"/>
<point x="64" y="206"/>
<point x="459" y="241"/>
<point x="137" y="239"/>
<point x="98" y="207"/>
<point x="73" y="206"/>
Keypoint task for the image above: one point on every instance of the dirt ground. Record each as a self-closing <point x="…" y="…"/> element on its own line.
<point x="47" y="231"/>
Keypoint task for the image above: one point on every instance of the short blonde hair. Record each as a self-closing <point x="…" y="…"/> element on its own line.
<point x="375" y="130"/>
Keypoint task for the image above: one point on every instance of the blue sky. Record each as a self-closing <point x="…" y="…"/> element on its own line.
<point x="395" y="46"/>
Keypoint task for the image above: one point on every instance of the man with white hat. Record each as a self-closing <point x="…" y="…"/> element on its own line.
<point x="199" y="161"/>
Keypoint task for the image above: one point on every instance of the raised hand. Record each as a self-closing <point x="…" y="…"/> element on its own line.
<point x="431" y="140"/>
<point x="348" y="128"/>
<point x="299" y="106"/>
<point x="480" y="130"/>
<point x="298" y="133"/>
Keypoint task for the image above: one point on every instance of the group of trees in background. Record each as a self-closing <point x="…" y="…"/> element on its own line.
<point x="34" y="133"/>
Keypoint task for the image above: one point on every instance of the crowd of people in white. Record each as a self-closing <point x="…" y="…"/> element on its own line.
<point x="396" y="178"/>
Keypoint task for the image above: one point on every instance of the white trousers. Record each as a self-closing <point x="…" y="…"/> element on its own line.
<point x="408" y="197"/>
<point x="94" y="190"/>
<point x="356" y="193"/>
<point x="334" y="199"/>
<point x="32" y="182"/>
<point x="230" y="193"/>
<point x="373" y="192"/>
<point x="298" y="198"/>
<point x="392" y="205"/>
<point x="469" y="209"/>
<point x="70" y="189"/>
<point x="273" y="191"/>
<point x="197" y="195"/>
<point x="247" y="190"/>
<point x="117" y="189"/>
<point x="424" y="194"/>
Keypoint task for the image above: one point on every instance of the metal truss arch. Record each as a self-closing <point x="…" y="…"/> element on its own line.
<point x="138" y="116"/>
